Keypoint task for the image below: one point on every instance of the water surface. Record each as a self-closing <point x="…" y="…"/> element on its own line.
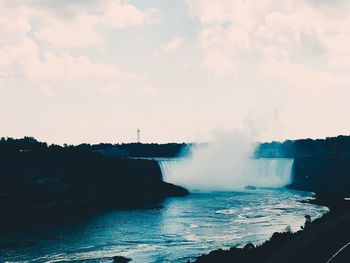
<point x="182" y="229"/>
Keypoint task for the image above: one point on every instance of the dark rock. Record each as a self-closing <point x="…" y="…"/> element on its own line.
<point x="250" y="187"/>
<point x="121" y="259"/>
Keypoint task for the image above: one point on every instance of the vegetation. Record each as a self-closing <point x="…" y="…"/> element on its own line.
<point x="29" y="144"/>
<point x="35" y="177"/>
<point x="330" y="147"/>
<point x="249" y="253"/>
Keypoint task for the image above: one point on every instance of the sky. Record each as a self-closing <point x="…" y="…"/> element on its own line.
<point x="180" y="70"/>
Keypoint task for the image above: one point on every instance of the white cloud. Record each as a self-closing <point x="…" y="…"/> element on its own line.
<point x="65" y="66"/>
<point x="339" y="51"/>
<point x="150" y="89"/>
<point x="22" y="57"/>
<point x="304" y="78"/>
<point x="173" y="45"/>
<point x="110" y="88"/>
<point x="81" y="24"/>
<point x="23" y="60"/>
<point x="80" y="31"/>
<point x="14" y="25"/>
<point x="120" y="14"/>
<point x="219" y="63"/>
<point x="47" y="91"/>
<point x="236" y="34"/>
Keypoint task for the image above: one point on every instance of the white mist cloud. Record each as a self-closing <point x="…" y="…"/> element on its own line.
<point x="226" y="164"/>
<point x="173" y="45"/>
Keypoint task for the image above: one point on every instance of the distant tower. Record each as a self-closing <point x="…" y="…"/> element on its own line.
<point x="138" y="136"/>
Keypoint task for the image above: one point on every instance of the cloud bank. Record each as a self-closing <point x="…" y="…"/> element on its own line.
<point x="290" y="39"/>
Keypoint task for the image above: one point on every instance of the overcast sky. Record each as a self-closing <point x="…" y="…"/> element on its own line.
<point x="96" y="70"/>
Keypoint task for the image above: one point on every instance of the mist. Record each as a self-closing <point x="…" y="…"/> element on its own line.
<point x="226" y="164"/>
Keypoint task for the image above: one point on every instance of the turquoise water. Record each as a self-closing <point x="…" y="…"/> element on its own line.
<point x="181" y="229"/>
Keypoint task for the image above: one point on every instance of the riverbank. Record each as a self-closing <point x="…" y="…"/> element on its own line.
<point x="39" y="181"/>
<point x="317" y="242"/>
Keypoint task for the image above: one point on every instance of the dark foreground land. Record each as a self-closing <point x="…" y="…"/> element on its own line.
<point x="38" y="180"/>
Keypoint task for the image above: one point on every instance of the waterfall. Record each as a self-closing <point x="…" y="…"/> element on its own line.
<point x="237" y="174"/>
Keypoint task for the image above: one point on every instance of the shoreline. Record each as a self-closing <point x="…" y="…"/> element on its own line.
<point x="317" y="241"/>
